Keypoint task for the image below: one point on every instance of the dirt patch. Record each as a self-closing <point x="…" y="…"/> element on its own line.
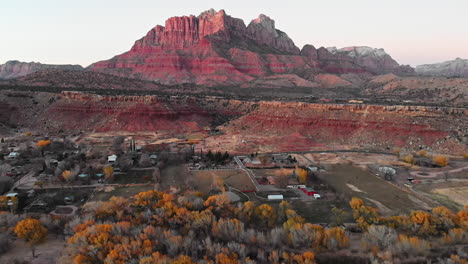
<point x="48" y="252"/>
<point x="457" y="194"/>
<point x="175" y="176"/>
<point x="354" y="188"/>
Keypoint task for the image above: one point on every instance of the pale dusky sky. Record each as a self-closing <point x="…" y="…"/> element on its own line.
<point x="85" y="31"/>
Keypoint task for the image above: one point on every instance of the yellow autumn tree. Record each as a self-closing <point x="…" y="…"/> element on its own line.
<point x="266" y="215"/>
<point x="301" y="174"/>
<point x="32" y="231"/>
<point x="336" y="238"/>
<point x="108" y="172"/>
<point x="408" y="159"/>
<point x="364" y="215"/>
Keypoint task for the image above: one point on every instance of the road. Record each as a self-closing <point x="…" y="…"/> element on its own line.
<point x="434" y="174"/>
<point x="249" y="172"/>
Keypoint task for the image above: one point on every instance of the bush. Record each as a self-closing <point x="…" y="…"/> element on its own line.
<point x="440" y="160"/>
<point x="379" y="236"/>
<point x="5" y="242"/>
<point x="408" y="159"/>
<point x="422" y="153"/>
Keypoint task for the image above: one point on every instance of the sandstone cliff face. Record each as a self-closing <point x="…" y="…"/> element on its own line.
<point x="215" y="49"/>
<point x="253" y="126"/>
<point x="380" y="127"/>
<point x="453" y="68"/>
<point x="14" y="69"/>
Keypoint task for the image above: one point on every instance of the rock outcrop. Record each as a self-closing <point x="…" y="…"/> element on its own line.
<point x="14" y="69"/>
<point x="215" y="49"/>
<point x="376" y="61"/>
<point x="453" y="68"/>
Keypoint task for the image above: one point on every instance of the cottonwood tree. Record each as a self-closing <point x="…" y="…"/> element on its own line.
<point x="32" y="231"/>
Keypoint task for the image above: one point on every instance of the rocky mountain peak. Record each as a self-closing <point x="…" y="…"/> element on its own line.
<point x="13" y="69"/>
<point x="454" y="68"/>
<point x="262" y="30"/>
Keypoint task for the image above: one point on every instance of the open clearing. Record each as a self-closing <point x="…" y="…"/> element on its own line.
<point x="173" y="176"/>
<point x="48" y="252"/>
<point x="457" y="194"/>
<point x="352" y="181"/>
<point x="204" y="179"/>
<point x="451" y="193"/>
<point x="106" y="193"/>
<point x="134" y="176"/>
<point x="259" y="173"/>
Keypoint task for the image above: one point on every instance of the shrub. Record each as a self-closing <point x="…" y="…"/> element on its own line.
<point x="43" y="143"/>
<point x="379" y="236"/>
<point x="422" y="153"/>
<point x="440" y="160"/>
<point x="5" y="242"/>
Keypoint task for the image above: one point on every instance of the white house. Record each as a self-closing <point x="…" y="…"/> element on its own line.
<point x="13" y="155"/>
<point x="112" y="158"/>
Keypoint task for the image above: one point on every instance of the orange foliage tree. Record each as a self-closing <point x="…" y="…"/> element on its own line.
<point x="43" y="143"/>
<point x="408" y="159"/>
<point x="440" y="160"/>
<point x="32" y="231"/>
<point x="67" y="175"/>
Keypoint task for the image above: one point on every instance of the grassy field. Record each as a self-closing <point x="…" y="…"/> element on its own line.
<point x="124" y="191"/>
<point x="270" y="172"/>
<point x="350" y="181"/>
<point x="134" y="176"/>
<point x="451" y="194"/>
<point x="319" y="211"/>
<point x="203" y="180"/>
